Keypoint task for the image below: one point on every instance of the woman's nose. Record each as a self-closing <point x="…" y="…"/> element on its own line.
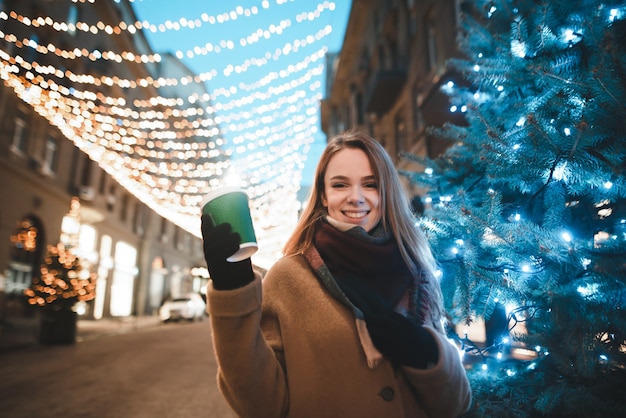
<point x="356" y="195"/>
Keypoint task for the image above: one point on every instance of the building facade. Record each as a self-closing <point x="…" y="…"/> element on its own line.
<point x="139" y="257"/>
<point x="388" y="75"/>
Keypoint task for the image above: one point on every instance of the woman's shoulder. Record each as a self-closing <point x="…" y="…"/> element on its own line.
<point x="288" y="265"/>
<point x="288" y="277"/>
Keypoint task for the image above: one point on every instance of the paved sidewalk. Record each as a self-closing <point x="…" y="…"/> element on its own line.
<point x="18" y="333"/>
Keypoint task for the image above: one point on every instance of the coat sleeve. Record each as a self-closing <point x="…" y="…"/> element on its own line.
<point x="443" y="390"/>
<point x="250" y="371"/>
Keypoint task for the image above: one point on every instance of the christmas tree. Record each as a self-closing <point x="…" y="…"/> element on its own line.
<point x="63" y="281"/>
<point x="526" y="210"/>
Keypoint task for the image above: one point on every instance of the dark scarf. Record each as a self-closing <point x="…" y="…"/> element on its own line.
<point x="373" y="258"/>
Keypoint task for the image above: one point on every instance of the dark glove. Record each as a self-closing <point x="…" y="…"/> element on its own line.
<point x="402" y="341"/>
<point x="220" y="242"/>
<point x="395" y="336"/>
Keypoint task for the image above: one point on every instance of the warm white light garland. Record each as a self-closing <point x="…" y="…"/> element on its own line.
<point x="132" y="28"/>
<point x="165" y="101"/>
<point x="170" y="151"/>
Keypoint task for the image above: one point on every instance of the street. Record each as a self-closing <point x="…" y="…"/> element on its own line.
<point x="163" y="371"/>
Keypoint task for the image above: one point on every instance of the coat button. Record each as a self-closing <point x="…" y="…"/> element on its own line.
<point x="387" y="393"/>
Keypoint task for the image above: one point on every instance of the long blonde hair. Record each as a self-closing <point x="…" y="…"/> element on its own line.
<point x="396" y="215"/>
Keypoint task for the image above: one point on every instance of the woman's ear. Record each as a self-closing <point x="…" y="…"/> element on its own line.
<point x="323" y="199"/>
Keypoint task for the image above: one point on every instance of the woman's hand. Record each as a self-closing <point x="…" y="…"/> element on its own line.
<point x="219" y="243"/>
<point x="402" y="341"/>
<point x="397" y="337"/>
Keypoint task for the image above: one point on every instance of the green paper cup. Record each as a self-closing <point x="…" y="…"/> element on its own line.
<point x="230" y="204"/>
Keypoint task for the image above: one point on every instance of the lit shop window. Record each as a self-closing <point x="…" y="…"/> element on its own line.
<point x="124" y="272"/>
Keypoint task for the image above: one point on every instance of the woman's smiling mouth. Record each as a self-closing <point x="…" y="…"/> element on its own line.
<point x="356" y="215"/>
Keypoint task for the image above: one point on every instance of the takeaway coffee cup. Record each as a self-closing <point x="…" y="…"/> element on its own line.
<point x="230" y="204"/>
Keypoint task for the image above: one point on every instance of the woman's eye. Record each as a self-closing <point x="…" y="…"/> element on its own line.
<point x="371" y="185"/>
<point x="338" y="185"/>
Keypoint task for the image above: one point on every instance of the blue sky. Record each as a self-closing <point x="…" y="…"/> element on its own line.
<point x="268" y="20"/>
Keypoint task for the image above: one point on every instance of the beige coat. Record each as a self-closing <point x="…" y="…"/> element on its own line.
<point x="286" y="348"/>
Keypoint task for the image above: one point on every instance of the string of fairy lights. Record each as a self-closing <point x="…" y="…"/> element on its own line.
<point x="169" y="138"/>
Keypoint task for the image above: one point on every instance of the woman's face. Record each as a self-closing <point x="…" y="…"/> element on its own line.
<point x="350" y="189"/>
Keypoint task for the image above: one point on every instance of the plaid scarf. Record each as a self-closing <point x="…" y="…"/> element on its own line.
<point x="352" y="253"/>
<point x="373" y="259"/>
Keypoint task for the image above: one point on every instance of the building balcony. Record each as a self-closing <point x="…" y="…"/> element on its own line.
<point x="383" y="90"/>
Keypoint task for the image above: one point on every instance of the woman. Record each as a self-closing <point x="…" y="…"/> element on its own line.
<point x="349" y="322"/>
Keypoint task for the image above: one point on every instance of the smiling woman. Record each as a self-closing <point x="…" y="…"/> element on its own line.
<point x="351" y="190"/>
<point x="349" y="322"/>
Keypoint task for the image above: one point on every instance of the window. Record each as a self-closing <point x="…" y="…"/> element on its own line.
<point x="392" y="47"/>
<point x="364" y="64"/>
<point x="26" y="247"/>
<point x="418" y="118"/>
<point x="432" y="47"/>
<point x="381" y="56"/>
<point x="178" y="243"/>
<point x="111" y="198"/>
<point x="431" y="40"/>
<point x="413" y="20"/>
<point x="85" y="176"/>
<point x="106" y="264"/>
<point x="20" y="132"/>
<point x="123" y="282"/>
<point x="360" y="111"/>
<point x="103" y="182"/>
<point x="157" y="283"/>
<point x="50" y="156"/>
<point x="87" y="239"/>
<point x="139" y="218"/>
<point x="25" y="241"/>
<point x="163" y="235"/>
<point x="124" y="209"/>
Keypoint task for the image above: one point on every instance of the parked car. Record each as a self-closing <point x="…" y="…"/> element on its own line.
<point x="190" y="307"/>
